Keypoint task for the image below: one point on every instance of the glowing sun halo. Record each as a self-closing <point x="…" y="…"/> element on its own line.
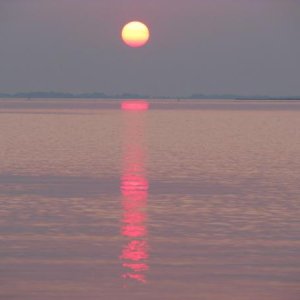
<point x="135" y="34"/>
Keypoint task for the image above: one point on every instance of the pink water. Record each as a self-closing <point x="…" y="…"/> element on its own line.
<point x="186" y="200"/>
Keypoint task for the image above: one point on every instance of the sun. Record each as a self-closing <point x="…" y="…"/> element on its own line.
<point x="135" y="34"/>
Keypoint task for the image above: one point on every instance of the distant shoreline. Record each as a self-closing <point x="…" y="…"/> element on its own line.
<point x="268" y="99"/>
<point x="26" y="97"/>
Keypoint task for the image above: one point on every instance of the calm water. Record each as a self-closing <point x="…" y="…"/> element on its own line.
<point x="186" y="200"/>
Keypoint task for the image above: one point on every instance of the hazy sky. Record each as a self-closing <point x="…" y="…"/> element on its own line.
<point x="208" y="46"/>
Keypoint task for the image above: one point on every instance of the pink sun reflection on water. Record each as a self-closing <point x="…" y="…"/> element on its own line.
<point x="134" y="188"/>
<point x="135" y="105"/>
<point x="135" y="252"/>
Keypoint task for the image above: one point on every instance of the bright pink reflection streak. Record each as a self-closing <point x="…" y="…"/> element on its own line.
<point x="135" y="105"/>
<point x="134" y="188"/>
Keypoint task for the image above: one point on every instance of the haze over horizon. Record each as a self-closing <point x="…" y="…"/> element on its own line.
<point x="209" y="46"/>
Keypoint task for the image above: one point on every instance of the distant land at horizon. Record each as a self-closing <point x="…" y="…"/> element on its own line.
<point x="100" y="95"/>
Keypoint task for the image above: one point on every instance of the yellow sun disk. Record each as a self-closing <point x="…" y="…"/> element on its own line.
<point x="135" y="34"/>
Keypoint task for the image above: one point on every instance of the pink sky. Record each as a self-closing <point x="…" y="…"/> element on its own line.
<point x="208" y="46"/>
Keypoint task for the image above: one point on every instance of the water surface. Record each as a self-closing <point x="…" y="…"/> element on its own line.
<point x="187" y="200"/>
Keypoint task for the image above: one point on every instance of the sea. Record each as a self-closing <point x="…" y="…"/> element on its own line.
<point x="149" y="199"/>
